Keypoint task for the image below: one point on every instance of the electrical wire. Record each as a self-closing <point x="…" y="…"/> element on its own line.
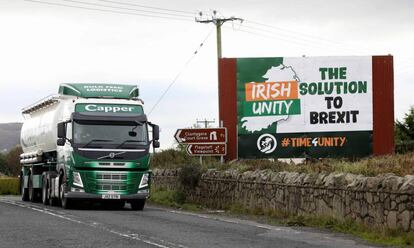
<point x="290" y="41"/>
<point x="130" y="9"/>
<point x="312" y="38"/>
<point x="179" y="73"/>
<point x="147" y="7"/>
<point x="293" y="32"/>
<point x="107" y="10"/>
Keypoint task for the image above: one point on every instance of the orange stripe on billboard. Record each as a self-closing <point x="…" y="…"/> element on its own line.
<point x="271" y="91"/>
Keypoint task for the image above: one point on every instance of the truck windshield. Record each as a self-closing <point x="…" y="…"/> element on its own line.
<point x="119" y="135"/>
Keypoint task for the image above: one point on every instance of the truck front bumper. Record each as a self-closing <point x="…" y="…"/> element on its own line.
<point x="82" y="195"/>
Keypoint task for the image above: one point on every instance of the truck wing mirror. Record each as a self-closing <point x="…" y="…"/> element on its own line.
<point x="156" y="144"/>
<point x="61" y="130"/>
<point x="155" y="132"/>
<point x="61" y="141"/>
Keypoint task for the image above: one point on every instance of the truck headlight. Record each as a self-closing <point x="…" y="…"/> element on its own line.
<point x="77" y="180"/>
<point x="144" y="181"/>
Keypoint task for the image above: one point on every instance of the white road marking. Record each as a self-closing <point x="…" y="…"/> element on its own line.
<point x="96" y="225"/>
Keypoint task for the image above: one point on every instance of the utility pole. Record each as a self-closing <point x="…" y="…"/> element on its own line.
<point x="218" y="21"/>
<point x="205" y="121"/>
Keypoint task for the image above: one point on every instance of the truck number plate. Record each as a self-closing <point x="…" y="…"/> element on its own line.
<point x="111" y="196"/>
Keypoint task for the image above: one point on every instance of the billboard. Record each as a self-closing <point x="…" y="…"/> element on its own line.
<point x="302" y="107"/>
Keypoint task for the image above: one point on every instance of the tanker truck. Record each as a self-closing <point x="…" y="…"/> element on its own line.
<point x="89" y="142"/>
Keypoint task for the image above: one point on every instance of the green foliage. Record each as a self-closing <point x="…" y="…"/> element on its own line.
<point x="399" y="164"/>
<point x="171" y="198"/>
<point x="375" y="235"/>
<point x="171" y="158"/>
<point x="10" y="162"/>
<point x="2" y="164"/>
<point x="177" y="158"/>
<point x="404" y="131"/>
<point x="9" y="186"/>
<point x="189" y="176"/>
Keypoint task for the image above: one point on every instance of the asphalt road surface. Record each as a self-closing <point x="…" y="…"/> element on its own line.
<point x="25" y="224"/>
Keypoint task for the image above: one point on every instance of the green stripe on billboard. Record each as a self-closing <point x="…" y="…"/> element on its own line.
<point x="268" y="108"/>
<point x="299" y="145"/>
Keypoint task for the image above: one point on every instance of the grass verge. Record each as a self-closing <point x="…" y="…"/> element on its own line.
<point x="172" y="198"/>
<point x="380" y="236"/>
<point x="9" y="186"/>
<point x="399" y="238"/>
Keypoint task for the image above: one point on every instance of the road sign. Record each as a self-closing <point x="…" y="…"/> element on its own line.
<point x="201" y="135"/>
<point x="207" y="149"/>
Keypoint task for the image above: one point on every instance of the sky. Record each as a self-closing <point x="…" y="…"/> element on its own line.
<point x="43" y="45"/>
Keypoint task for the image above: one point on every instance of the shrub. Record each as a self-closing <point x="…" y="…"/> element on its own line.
<point x="9" y="186"/>
<point x="189" y="176"/>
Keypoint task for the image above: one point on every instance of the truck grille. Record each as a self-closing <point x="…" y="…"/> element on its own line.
<point x="118" y="181"/>
<point x="111" y="187"/>
<point x="111" y="176"/>
<point x="111" y="164"/>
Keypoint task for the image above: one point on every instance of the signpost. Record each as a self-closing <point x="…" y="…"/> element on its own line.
<point x="201" y="135"/>
<point x="207" y="149"/>
<point x="203" y="141"/>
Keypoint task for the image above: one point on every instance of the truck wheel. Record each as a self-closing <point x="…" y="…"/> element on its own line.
<point x="66" y="203"/>
<point x="32" y="194"/>
<point x="138" y="204"/>
<point x="53" y="201"/>
<point x="45" y="191"/>
<point x="24" y="191"/>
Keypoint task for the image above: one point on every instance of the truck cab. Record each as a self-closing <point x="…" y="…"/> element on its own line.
<point x="101" y="147"/>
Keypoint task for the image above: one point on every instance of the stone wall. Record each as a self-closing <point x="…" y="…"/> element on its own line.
<point x="384" y="201"/>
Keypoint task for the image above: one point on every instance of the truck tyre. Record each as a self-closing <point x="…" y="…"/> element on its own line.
<point x="138" y="204"/>
<point x="45" y="191"/>
<point x="24" y="191"/>
<point x="66" y="203"/>
<point x="32" y="193"/>
<point x="53" y="201"/>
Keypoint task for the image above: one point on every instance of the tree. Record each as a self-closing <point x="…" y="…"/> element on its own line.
<point x="404" y="131"/>
<point x="13" y="161"/>
<point x="3" y="167"/>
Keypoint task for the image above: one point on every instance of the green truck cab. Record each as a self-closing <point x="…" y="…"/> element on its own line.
<point x="90" y="142"/>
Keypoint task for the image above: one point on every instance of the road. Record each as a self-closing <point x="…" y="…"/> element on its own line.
<point x="25" y="224"/>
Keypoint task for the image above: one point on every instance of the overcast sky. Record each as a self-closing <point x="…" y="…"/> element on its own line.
<point x="44" y="45"/>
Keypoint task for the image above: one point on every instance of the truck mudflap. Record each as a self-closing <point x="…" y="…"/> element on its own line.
<point x="83" y="195"/>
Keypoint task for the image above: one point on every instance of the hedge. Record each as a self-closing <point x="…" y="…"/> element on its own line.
<point x="9" y="186"/>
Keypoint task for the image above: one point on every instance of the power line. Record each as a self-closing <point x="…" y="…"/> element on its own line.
<point x="295" y="42"/>
<point x="293" y="32"/>
<point x="179" y="74"/>
<point x="107" y="10"/>
<point x="291" y="38"/>
<point x="123" y="8"/>
<point x="349" y="47"/>
<point x="148" y="7"/>
<point x="278" y="37"/>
